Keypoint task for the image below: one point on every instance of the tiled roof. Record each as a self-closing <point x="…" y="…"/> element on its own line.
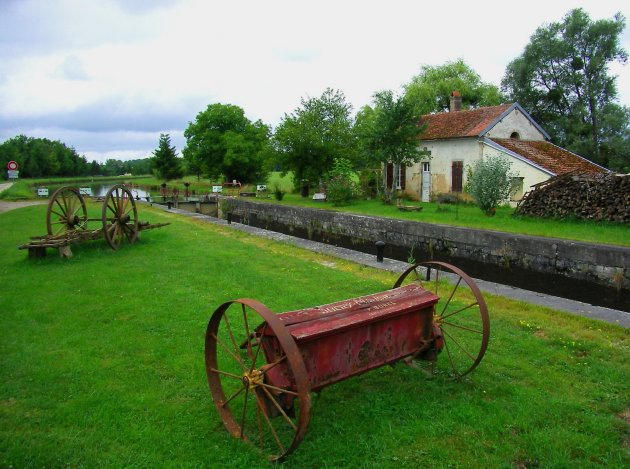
<point x="460" y="123"/>
<point x="549" y="156"/>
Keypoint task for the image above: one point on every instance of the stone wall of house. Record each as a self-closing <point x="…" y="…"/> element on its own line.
<point x="515" y="121"/>
<point x="593" y="273"/>
<point x="531" y="175"/>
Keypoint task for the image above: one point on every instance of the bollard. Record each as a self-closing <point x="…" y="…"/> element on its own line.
<point x="380" y="247"/>
<point x="229" y="218"/>
<point x="169" y="204"/>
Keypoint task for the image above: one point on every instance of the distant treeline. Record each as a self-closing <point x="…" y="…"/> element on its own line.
<point x="40" y="157"/>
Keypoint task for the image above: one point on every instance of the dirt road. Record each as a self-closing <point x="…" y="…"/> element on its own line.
<point x="6" y="205"/>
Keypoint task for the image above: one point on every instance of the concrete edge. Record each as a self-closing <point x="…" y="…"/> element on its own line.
<point x="612" y="316"/>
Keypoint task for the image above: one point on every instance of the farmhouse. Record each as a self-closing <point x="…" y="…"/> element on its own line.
<point x="456" y="139"/>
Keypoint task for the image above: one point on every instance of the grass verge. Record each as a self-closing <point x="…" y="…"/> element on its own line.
<point x="465" y="215"/>
<point x="101" y="359"/>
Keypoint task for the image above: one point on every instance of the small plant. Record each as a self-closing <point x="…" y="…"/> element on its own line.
<point x="447" y="198"/>
<point x="341" y="188"/>
<point x="491" y="183"/>
<point x="278" y="193"/>
<point x="411" y="258"/>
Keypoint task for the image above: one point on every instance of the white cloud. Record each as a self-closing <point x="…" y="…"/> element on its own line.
<point x="115" y="67"/>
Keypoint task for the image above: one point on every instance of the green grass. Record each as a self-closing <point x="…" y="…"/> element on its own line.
<point x="101" y="359"/>
<point x="465" y="215"/>
<point x="468" y="215"/>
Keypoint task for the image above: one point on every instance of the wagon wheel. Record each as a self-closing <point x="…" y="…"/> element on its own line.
<point x="120" y="216"/>
<point x="253" y="405"/>
<point x="461" y="325"/>
<point x="66" y="211"/>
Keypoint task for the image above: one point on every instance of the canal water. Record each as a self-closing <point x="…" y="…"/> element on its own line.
<point x="101" y="189"/>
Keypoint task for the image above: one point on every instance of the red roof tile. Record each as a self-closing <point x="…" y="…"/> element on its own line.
<point x="460" y="123"/>
<point x="549" y="156"/>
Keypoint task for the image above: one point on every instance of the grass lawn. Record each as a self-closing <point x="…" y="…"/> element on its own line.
<point x="101" y="359"/>
<point x="466" y="215"/>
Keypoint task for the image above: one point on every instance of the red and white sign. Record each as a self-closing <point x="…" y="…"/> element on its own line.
<point x="12" y="166"/>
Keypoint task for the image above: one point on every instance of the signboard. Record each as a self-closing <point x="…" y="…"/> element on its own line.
<point x="12" y="166"/>
<point x="261" y="187"/>
<point x="85" y="191"/>
<point x="42" y="191"/>
<point x="216" y="189"/>
<point x="12" y="174"/>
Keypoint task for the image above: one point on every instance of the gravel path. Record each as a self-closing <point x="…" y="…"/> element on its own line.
<point x="6" y="205"/>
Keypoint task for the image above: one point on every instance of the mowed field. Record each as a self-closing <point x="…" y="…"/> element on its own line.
<point x="102" y="364"/>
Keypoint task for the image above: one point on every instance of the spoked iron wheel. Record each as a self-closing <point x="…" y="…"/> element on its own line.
<point x="266" y="403"/>
<point x="461" y="325"/>
<point x="66" y="211"/>
<point x="120" y="216"/>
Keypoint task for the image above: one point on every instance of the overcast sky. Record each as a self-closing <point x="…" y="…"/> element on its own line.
<point x="108" y="76"/>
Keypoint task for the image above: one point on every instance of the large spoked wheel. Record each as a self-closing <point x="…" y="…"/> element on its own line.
<point x="266" y="403"/>
<point x="66" y="211"/>
<point x="461" y="325"/>
<point x="120" y="217"/>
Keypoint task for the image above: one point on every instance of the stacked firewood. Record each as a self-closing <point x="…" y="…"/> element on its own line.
<point x="587" y="196"/>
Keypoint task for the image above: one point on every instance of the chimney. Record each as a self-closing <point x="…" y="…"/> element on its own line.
<point x="456" y="101"/>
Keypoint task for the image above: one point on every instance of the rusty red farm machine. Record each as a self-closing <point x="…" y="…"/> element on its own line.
<point x="262" y="367"/>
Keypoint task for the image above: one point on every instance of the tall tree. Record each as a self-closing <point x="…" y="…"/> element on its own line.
<point x="222" y="142"/>
<point x="389" y="133"/>
<point x="562" y="78"/>
<point x="42" y="157"/>
<point x="431" y="89"/>
<point x="308" y="141"/>
<point x="165" y="161"/>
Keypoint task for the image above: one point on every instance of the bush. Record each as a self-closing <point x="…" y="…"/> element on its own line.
<point x="341" y="191"/>
<point x="341" y="188"/>
<point x="490" y="183"/>
<point x="278" y="193"/>
<point x="448" y="198"/>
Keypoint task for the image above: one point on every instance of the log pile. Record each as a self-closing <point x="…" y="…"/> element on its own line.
<point x="586" y="196"/>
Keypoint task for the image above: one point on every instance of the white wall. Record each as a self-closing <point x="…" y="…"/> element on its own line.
<point x="531" y="175"/>
<point x="515" y="121"/>
<point x="468" y="150"/>
<point x="443" y="153"/>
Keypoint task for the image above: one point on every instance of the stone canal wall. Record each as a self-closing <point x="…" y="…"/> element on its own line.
<point x="597" y="274"/>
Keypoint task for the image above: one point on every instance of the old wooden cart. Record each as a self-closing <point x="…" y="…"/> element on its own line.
<point x="67" y="221"/>
<point x="262" y="367"/>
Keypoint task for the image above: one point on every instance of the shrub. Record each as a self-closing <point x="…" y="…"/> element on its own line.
<point x="490" y="183"/>
<point x="341" y="191"/>
<point x="278" y="193"/>
<point x="341" y="188"/>
<point x="448" y="198"/>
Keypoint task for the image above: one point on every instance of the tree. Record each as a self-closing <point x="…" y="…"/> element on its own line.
<point x="39" y="157"/>
<point x="490" y="183"/>
<point x="562" y="79"/>
<point x="389" y="133"/>
<point x="222" y="142"/>
<point x="165" y="161"/>
<point x="308" y="141"/>
<point x="341" y="188"/>
<point x="431" y="89"/>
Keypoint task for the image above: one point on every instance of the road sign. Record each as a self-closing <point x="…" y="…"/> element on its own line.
<point x="12" y="166"/>
<point x="12" y="174"/>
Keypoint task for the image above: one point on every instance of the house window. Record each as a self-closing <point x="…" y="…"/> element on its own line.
<point x="426" y="167"/>
<point x="400" y="180"/>
<point x="457" y="173"/>
<point x="515" y="136"/>
<point x="517" y="189"/>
